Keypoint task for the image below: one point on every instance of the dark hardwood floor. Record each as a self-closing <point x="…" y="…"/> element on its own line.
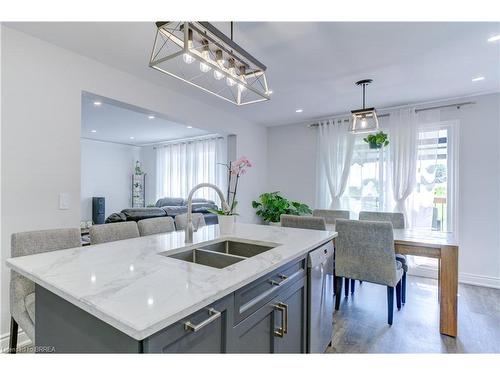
<point x="360" y="326"/>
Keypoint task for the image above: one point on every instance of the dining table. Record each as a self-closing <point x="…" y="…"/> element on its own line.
<point x="442" y="246"/>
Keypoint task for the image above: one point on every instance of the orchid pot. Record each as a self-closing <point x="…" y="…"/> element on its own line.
<point x="226" y="223"/>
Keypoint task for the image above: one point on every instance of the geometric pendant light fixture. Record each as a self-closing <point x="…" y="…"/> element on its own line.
<point x="364" y="120"/>
<point x="201" y="55"/>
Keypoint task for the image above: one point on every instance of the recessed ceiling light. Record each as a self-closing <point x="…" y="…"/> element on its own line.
<point x="270" y="92"/>
<point x="477" y="79"/>
<point x="189" y="127"/>
<point x="494" y="38"/>
<point x="299" y="110"/>
<point x="151" y="117"/>
<point x="93" y="131"/>
<point x="131" y="137"/>
<point x="97" y="104"/>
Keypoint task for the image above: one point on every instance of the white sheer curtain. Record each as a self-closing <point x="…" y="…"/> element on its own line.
<point x="182" y="165"/>
<point x="335" y="148"/>
<point x="403" y="137"/>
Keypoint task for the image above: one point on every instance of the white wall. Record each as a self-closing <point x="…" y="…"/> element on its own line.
<point x="148" y="163"/>
<point x="41" y="113"/>
<point x="106" y="170"/>
<point x="291" y="169"/>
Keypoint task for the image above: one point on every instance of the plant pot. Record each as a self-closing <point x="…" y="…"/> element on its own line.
<point x="226" y="223"/>
<point x="375" y="145"/>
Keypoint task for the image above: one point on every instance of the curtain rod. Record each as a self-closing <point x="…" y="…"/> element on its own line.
<point x="185" y="140"/>
<point x="457" y="105"/>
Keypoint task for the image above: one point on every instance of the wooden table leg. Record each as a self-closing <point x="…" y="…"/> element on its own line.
<point x="448" y="289"/>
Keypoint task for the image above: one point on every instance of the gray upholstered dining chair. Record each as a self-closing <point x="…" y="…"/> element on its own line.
<point x="113" y="232"/>
<point x="365" y="251"/>
<point x="181" y="221"/>
<point x="304" y="222"/>
<point x="398" y="222"/>
<point x="22" y="290"/>
<point x="155" y="225"/>
<point x="331" y="216"/>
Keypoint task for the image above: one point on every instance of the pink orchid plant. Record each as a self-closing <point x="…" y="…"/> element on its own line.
<point x="235" y="169"/>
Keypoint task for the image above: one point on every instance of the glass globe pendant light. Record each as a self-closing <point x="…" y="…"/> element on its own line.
<point x="364" y="120"/>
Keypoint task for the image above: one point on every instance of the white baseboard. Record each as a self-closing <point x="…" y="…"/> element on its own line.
<point x="487" y="281"/>
<point x="465" y="278"/>
<point x="22" y="340"/>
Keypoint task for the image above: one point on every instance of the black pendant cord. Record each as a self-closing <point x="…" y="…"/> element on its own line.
<point x="231" y="30"/>
<point x="364" y="86"/>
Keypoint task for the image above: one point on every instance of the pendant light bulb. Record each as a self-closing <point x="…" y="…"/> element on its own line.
<point x="242" y="88"/>
<point x="232" y="72"/>
<point x="220" y="62"/>
<point x="206" y="56"/>
<point x="218" y="75"/>
<point x="188" y="59"/>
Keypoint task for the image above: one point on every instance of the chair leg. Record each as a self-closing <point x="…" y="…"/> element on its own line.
<point x="403" y="288"/>
<point x="346" y="286"/>
<point x="390" y="304"/>
<point x="338" y="291"/>
<point x="13" y="336"/>
<point x="398" y="295"/>
<point x="353" y="282"/>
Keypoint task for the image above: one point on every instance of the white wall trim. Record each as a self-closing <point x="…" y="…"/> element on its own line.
<point x="22" y="340"/>
<point x="479" y="280"/>
<point x="463" y="277"/>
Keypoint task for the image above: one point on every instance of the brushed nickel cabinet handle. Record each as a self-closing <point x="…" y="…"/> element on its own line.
<point x="285" y="329"/>
<point x="213" y="315"/>
<point x="280" y="332"/>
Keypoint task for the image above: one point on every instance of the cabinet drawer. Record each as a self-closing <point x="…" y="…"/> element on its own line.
<point x="205" y="332"/>
<point x="251" y="297"/>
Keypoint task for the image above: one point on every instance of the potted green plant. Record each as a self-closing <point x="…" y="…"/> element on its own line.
<point x="272" y="205"/>
<point x="377" y="141"/>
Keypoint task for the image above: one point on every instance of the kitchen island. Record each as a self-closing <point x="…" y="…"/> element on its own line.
<point x="157" y="294"/>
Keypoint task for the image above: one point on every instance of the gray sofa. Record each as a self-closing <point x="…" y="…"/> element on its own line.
<point x="166" y="207"/>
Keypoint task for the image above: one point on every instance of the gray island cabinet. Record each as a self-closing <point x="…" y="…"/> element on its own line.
<point x="246" y="292"/>
<point x="266" y="316"/>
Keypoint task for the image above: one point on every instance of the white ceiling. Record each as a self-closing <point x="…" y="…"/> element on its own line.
<point x="313" y="65"/>
<point x="113" y="121"/>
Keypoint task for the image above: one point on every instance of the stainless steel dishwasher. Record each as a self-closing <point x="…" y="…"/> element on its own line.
<point x="320" y="295"/>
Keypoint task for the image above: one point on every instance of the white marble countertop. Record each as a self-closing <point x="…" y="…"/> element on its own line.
<point x="130" y="286"/>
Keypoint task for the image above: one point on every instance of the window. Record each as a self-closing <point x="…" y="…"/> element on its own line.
<point x="366" y="186"/>
<point x="183" y="165"/>
<point x="431" y="205"/>
<point x="430" y="201"/>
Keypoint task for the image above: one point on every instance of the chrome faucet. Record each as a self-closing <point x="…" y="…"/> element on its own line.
<point x="189" y="219"/>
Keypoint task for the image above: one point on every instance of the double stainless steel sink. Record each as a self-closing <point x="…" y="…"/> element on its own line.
<point x="221" y="254"/>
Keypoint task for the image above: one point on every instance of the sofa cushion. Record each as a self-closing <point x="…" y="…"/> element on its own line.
<point x="143" y="213"/>
<point x="174" y="210"/>
<point x="203" y="207"/>
<point x="116" y="218"/>
<point x="201" y="200"/>
<point x="162" y="202"/>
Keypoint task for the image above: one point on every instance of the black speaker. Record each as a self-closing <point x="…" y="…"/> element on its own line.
<point x="98" y="210"/>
